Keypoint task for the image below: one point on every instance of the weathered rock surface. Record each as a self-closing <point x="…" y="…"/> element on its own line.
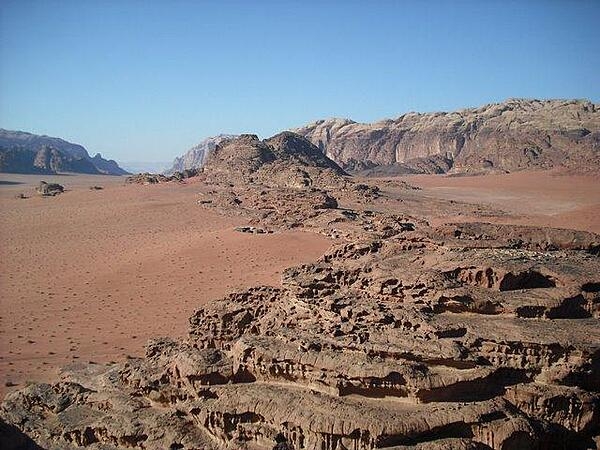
<point x="513" y="135"/>
<point x="195" y="157"/>
<point x="155" y="178"/>
<point x="286" y="160"/>
<point x="46" y="160"/>
<point x="50" y="189"/>
<point x="22" y="152"/>
<point x="403" y="335"/>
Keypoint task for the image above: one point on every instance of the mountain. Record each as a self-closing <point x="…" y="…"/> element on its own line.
<point x="22" y="152"/>
<point x="146" y="166"/>
<point x="107" y="166"/>
<point x="47" y="160"/>
<point x="195" y="157"/>
<point x="513" y="135"/>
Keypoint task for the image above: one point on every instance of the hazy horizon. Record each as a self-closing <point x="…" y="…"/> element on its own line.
<point x="145" y="82"/>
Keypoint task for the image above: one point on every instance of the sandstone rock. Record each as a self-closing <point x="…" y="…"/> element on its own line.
<point x="252" y="230"/>
<point x="195" y="157"/>
<point x="377" y="345"/>
<point x="286" y="160"/>
<point x="50" y="189"/>
<point x="151" y="178"/>
<point x="512" y="135"/>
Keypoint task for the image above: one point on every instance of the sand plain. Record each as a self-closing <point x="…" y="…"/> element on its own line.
<point x="91" y="275"/>
<point x="552" y="198"/>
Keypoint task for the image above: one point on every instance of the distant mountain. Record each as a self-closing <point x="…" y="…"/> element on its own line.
<point x="145" y="166"/>
<point x="195" y="157"/>
<point x="512" y="135"/>
<point x="22" y="152"/>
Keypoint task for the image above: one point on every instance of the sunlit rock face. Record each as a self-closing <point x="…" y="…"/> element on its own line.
<point x="514" y="135"/>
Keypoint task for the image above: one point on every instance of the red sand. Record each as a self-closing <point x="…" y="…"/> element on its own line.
<point x="543" y="198"/>
<point x="92" y="275"/>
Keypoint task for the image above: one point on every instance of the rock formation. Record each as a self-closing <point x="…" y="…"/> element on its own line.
<point x="50" y="189"/>
<point x="286" y="160"/>
<point x="402" y="336"/>
<point x="155" y="178"/>
<point x="47" y="160"/>
<point x="513" y="135"/>
<point x="22" y="152"/>
<point x="195" y="157"/>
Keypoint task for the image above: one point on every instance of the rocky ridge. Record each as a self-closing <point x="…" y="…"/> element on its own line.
<point x="513" y="135"/>
<point x="403" y="335"/>
<point x="22" y="152"/>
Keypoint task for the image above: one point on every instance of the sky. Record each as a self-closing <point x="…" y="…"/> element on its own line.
<point x="146" y="80"/>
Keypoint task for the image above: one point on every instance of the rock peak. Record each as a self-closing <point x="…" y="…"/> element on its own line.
<point x="284" y="158"/>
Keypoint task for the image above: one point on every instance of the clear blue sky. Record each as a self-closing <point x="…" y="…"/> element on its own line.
<point x="145" y="80"/>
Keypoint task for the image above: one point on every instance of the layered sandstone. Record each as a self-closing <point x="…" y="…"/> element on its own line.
<point x="512" y="135"/>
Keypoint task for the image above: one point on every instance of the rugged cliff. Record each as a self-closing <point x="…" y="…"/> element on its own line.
<point x="513" y="135"/>
<point x="46" y="160"/>
<point x="22" y="152"/>
<point x="286" y="159"/>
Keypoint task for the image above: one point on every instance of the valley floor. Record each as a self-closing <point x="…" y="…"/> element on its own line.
<point x="93" y="274"/>
<point x="542" y="198"/>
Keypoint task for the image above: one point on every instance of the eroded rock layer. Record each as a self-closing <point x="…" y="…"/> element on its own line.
<point x="512" y="135"/>
<point x="466" y="336"/>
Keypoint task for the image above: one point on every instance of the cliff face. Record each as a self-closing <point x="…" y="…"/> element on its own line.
<point x="195" y="157"/>
<point x="22" y="152"/>
<point x="513" y="135"/>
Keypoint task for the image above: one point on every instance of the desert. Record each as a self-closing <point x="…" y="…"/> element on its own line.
<point x="152" y="254"/>
<point x="283" y="225"/>
<point x="369" y="303"/>
<point x="69" y="265"/>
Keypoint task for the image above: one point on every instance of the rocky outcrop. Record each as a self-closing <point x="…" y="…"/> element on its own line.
<point x="513" y="135"/>
<point x="52" y="160"/>
<point x="402" y="336"/>
<point x="155" y="178"/>
<point x="285" y="161"/>
<point x="47" y="160"/>
<point x="107" y="166"/>
<point x="195" y="157"/>
<point x="50" y="189"/>
<point x="22" y="152"/>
